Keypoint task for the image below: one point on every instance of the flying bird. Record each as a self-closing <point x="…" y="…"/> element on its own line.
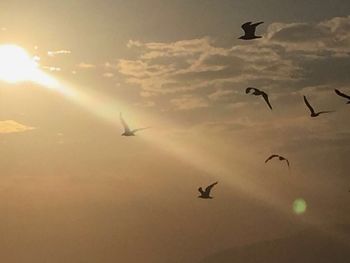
<point x="281" y="158"/>
<point x="127" y="131"/>
<point x="343" y="95"/>
<point x="312" y="111"/>
<point x="249" y="31"/>
<point x="206" y="193"/>
<point x="258" y="92"/>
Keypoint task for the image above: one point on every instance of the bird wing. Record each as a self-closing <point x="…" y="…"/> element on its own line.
<point x="246" y="26"/>
<point x="256" y="24"/>
<point x="287" y="162"/>
<point x="247" y="90"/>
<point x="284" y="159"/>
<point x="139" y="129"/>
<point x="249" y="28"/>
<point x="266" y="98"/>
<point x="125" y="125"/>
<point x="327" y="111"/>
<point x="272" y="156"/>
<point x="201" y="190"/>
<point x="208" y="189"/>
<point x="342" y="94"/>
<point x="308" y="105"/>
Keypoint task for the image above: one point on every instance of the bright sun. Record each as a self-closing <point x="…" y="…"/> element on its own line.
<point x="17" y="65"/>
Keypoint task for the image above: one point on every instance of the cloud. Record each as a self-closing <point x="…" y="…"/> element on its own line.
<point x="84" y="65"/>
<point x="198" y="73"/>
<point x="163" y="68"/>
<point x="218" y="94"/>
<point x="330" y="37"/>
<point x="146" y="94"/>
<point x="176" y="49"/>
<point x="50" y="68"/>
<point x="108" y="75"/>
<point x="147" y="104"/>
<point x="188" y="102"/>
<point x="11" y="126"/>
<point x="109" y="66"/>
<point x="58" y="52"/>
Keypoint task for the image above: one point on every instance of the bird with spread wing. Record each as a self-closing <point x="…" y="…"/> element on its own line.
<point x="127" y="131"/>
<point x="258" y="92"/>
<point x="205" y="194"/>
<point x="312" y="111"/>
<point x="249" y="31"/>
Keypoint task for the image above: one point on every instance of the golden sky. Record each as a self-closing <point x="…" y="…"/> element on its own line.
<point x="73" y="190"/>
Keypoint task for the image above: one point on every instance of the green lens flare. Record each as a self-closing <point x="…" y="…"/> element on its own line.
<point x="299" y="206"/>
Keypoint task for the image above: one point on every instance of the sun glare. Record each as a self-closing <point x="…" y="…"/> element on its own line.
<point x="16" y="65"/>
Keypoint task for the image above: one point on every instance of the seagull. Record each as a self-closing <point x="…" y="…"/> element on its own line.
<point x="281" y="158"/>
<point x="313" y="113"/>
<point x="127" y="131"/>
<point x="343" y="95"/>
<point x="206" y="194"/>
<point x="249" y="31"/>
<point x="258" y="92"/>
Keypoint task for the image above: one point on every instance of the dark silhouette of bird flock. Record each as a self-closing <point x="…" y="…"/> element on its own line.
<point x="249" y="29"/>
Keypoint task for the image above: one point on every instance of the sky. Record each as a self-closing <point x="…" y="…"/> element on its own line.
<point x="72" y="189"/>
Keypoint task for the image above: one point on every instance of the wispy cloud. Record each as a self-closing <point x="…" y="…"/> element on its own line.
<point x="218" y="94"/>
<point x="289" y="57"/>
<point x="84" y="65"/>
<point x="108" y="75"/>
<point x="147" y="104"/>
<point x="58" y="52"/>
<point x="51" y="68"/>
<point x="194" y="64"/>
<point x="330" y="37"/>
<point x="188" y="102"/>
<point x="11" y="126"/>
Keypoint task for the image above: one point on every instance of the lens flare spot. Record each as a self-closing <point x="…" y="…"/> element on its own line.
<point x="299" y="206"/>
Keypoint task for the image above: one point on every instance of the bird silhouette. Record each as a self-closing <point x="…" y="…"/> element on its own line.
<point x="281" y="158"/>
<point x="249" y="31"/>
<point x="258" y="92"/>
<point x="343" y="95"/>
<point x="312" y="111"/>
<point x="206" y="193"/>
<point x="127" y="131"/>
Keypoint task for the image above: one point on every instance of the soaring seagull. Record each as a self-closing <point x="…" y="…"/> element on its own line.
<point x="127" y="131"/>
<point x="249" y="31"/>
<point x="312" y="111"/>
<point x="281" y="158"/>
<point x="258" y="92"/>
<point x="343" y="95"/>
<point x="206" y="193"/>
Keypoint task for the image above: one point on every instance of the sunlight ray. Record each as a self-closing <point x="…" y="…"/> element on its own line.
<point x="18" y="66"/>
